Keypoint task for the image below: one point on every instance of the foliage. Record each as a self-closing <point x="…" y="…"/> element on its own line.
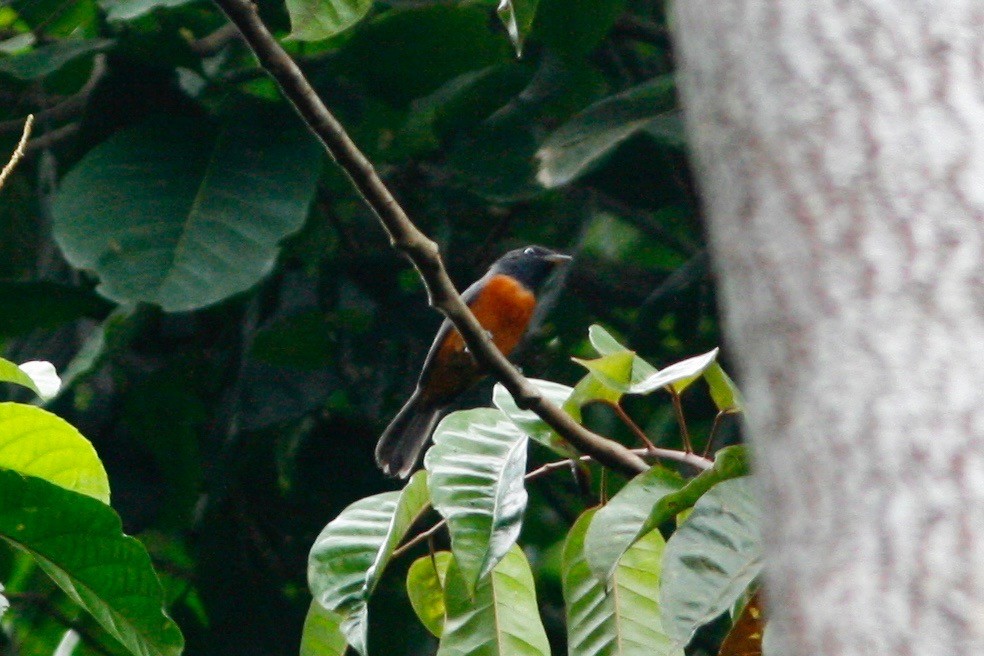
<point x="233" y="330"/>
<point x="54" y="498"/>
<point x="614" y="602"/>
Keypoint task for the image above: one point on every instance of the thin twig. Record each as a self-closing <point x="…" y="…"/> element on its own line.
<point x="417" y="539"/>
<point x="669" y="454"/>
<point x="627" y="420"/>
<point x="18" y="152"/>
<point x="71" y="106"/>
<point x="50" y="138"/>
<point x="415" y="245"/>
<point x="678" y="410"/>
<point x="714" y="426"/>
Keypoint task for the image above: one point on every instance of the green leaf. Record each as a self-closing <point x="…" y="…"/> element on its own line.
<point x="613" y="371"/>
<point x="605" y="344"/>
<point x="425" y="587"/>
<point x="517" y="16"/>
<point x="724" y="392"/>
<point x="314" y="20"/>
<point x="529" y="422"/>
<point x="730" y="462"/>
<point x="37" y="443"/>
<point x="46" y="60"/>
<point x="352" y="551"/>
<point x="173" y="213"/>
<point x="501" y="618"/>
<point x="476" y="466"/>
<point x="710" y="560"/>
<point x="38" y="376"/>
<point x="580" y="144"/>
<point x="616" y="524"/>
<point x="322" y="634"/>
<point x="678" y="376"/>
<point x="79" y="543"/>
<point x="127" y="10"/>
<point x="625" y="620"/>
<point x="45" y="305"/>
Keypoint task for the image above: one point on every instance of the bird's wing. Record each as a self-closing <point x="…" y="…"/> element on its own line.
<point x="468" y="296"/>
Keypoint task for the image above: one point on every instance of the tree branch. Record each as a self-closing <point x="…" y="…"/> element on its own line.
<point x="414" y="244"/>
<point x="18" y="151"/>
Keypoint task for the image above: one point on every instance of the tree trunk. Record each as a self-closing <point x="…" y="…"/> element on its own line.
<point x="840" y="151"/>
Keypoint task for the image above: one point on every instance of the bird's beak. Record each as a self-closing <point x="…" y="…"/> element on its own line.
<point x="557" y="258"/>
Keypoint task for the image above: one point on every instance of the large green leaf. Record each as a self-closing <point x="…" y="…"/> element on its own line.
<point x="313" y="20"/>
<point x="425" y="587"/>
<point x="517" y="16"/>
<point x="476" y="466"/>
<point x="624" y="620"/>
<point x="79" y="543"/>
<point x="580" y="144"/>
<point x="710" y="560"/>
<point x="501" y="618"/>
<point x="322" y="634"/>
<point x="352" y="551"/>
<point x="37" y="443"/>
<point x="177" y="214"/>
<point x="38" y="376"/>
<point x="528" y="421"/>
<point x="730" y="462"/>
<point x="617" y="523"/>
<point x="48" y="59"/>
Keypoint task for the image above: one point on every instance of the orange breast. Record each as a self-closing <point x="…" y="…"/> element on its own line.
<point x="504" y="308"/>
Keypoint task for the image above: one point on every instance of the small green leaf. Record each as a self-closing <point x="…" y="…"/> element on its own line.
<point x="79" y="543"/>
<point x="616" y="525"/>
<point x="322" y="634"/>
<point x="476" y="466"/>
<point x="314" y="20"/>
<point x="529" y="422"/>
<point x="678" y="376"/>
<point x="38" y="376"/>
<point x="352" y="551"/>
<point x="624" y="620"/>
<point x="605" y="344"/>
<point x="46" y="60"/>
<point x="517" y="16"/>
<point x="37" y="443"/>
<point x="181" y="215"/>
<point x="425" y="587"/>
<point x="711" y="558"/>
<point x="501" y="618"/>
<point x="730" y="462"/>
<point x="724" y="392"/>
<point x="613" y="371"/>
<point x="580" y="144"/>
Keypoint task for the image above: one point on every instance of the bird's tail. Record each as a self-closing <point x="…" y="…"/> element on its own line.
<point x="400" y="445"/>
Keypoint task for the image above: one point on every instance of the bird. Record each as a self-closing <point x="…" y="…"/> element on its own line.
<point x="503" y="301"/>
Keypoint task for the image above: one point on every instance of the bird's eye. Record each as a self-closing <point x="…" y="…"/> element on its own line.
<point x="529" y="251"/>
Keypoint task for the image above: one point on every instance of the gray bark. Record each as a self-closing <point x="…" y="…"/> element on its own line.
<point x="840" y="151"/>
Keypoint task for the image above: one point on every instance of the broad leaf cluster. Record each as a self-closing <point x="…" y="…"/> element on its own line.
<point x="627" y="590"/>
